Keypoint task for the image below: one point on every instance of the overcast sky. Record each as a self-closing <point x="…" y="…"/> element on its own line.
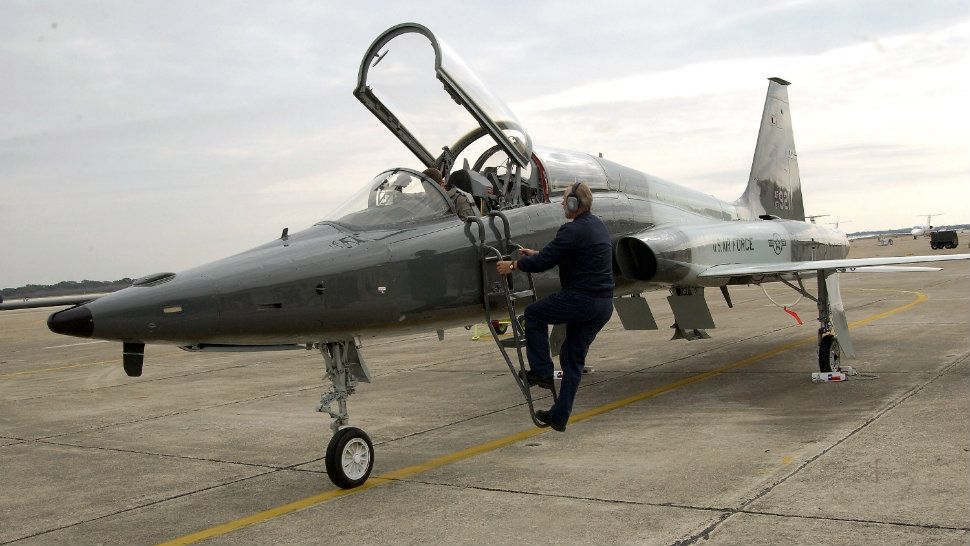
<point x="138" y="137"/>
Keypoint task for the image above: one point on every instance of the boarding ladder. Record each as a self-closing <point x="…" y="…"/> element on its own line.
<point x="495" y="289"/>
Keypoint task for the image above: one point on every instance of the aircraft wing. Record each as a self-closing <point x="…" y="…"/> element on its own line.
<point x="851" y="265"/>
<point x="55" y="301"/>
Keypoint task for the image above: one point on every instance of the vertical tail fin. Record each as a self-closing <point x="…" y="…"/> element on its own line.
<point x="774" y="186"/>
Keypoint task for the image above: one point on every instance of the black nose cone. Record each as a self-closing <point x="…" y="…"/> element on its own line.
<point x="76" y="321"/>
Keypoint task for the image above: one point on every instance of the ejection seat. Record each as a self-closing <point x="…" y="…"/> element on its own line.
<point x="473" y="184"/>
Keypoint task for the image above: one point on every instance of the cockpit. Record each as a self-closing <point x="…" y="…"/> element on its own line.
<point x="467" y="133"/>
<point x="465" y="128"/>
<point x="395" y="197"/>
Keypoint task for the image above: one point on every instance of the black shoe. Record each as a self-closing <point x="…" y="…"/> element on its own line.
<point x="543" y="417"/>
<point x="533" y="378"/>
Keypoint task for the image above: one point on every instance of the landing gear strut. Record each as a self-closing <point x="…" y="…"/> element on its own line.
<point x="829" y="302"/>
<point x="829" y="352"/>
<point x="350" y="454"/>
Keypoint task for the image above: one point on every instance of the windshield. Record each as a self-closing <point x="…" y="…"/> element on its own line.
<point x="395" y="197"/>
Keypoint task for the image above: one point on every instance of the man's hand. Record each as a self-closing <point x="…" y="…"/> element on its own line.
<point x="503" y="268"/>
<point x="528" y="251"/>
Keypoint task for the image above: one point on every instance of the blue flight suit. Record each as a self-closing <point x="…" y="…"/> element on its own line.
<point x="583" y="252"/>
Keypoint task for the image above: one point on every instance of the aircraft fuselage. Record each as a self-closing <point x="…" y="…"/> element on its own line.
<point x="329" y="282"/>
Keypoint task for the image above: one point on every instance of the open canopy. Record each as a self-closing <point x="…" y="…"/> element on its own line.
<point x="398" y="64"/>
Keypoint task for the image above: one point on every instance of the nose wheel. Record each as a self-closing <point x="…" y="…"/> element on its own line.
<point x="350" y="457"/>
<point x="350" y="453"/>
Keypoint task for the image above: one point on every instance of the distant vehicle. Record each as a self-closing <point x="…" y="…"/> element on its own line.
<point x="943" y="238"/>
<point x="884" y="241"/>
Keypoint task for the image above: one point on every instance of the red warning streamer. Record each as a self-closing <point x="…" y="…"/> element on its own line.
<point x="794" y="314"/>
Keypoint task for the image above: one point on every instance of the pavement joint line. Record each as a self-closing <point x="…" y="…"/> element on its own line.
<point x="176" y="413"/>
<point x="445" y="425"/>
<point x="165" y="455"/>
<point x="684" y="506"/>
<point x="705" y="533"/>
<point x="139" y="507"/>
<point x="492" y="445"/>
<point x="569" y="497"/>
<point x="854" y="520"/>
<point x="57" y="368"/>
<point x="118" y="361"/>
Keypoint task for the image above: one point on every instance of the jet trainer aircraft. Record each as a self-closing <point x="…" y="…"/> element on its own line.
<point x="396" y="258"/>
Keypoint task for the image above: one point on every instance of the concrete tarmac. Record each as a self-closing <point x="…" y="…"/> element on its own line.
<point x="718" y="441"/>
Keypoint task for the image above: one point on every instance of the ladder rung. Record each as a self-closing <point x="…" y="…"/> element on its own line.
<point x="512" y="295"/>
<point x="510" y="342"/>
<point x="491" y="259"/>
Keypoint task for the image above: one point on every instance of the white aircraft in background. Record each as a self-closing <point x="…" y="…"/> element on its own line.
<point x="835" y="225"/>
<point x="918" y="231"/>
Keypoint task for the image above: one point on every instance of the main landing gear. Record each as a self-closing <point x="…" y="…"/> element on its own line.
<point x="831" y="320"/>
<point x="350" y="454"/>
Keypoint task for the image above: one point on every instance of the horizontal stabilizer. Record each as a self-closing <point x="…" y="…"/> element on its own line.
<point x="848" y="264"/>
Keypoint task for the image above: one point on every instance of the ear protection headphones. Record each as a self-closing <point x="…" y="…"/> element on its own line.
<point x="572" y="202"/>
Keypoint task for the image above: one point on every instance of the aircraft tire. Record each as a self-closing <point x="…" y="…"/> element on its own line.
<point x="829" y="353"/>
<point x="350" y="458"/>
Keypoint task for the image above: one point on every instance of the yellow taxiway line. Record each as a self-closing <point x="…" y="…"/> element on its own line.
<point x="472" y="451"/>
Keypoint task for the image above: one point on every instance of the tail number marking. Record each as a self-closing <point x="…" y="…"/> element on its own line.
<point x="782" y="199"/>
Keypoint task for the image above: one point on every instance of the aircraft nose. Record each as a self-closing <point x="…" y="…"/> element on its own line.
<point x="76" y="321"/>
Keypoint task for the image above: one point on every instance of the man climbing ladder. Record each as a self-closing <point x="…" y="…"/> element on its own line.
<point x="583" y="252"/>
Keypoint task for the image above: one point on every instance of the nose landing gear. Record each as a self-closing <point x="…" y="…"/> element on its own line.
<point x="350" y="453"/>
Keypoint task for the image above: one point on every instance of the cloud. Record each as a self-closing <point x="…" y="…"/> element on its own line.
<point x="139" y="138"/>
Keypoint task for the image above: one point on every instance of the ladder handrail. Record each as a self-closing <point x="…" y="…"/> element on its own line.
<point x="488" y="255"/>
